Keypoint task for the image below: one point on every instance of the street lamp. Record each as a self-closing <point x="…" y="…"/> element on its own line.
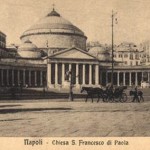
<point x="113" y="17"/>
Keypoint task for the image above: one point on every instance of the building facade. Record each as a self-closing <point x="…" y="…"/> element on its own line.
<point x="129" y="54"/>
<point x="54" y="46"/>
<point x="55" y="32"/>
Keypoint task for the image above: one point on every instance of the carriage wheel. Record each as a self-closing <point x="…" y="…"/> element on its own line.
<point x="123" y="97"/>
<point x="111" y="99"/>
<point x="105" y="98"/>
<point x="117" y="99"/>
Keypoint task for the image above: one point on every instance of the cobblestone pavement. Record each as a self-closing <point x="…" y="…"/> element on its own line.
<point x="60" y="118"/>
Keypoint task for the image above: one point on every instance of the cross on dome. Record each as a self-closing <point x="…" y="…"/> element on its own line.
<point x="53" y="6"/>
<point x="53" y="12"/>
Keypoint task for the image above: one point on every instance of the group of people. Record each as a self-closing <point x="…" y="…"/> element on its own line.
<point x="135" y="92"/>
<point x="137" y="95"/>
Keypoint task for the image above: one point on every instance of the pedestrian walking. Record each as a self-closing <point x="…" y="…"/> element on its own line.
<point x="135" y="97"/>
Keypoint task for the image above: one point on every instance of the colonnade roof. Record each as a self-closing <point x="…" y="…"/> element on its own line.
<point x="22" y="62"/>
<point x="129" y="51"/>
<point x="137" y="68"/>
<point x="23" y="67"/>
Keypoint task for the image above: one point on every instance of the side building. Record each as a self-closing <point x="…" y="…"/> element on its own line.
<point x="128" y="54"/>
<point x="3" y="50"/>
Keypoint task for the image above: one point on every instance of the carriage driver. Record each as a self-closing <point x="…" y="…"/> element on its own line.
<point x="136" y="95"/>
<point x="109" y="88"/>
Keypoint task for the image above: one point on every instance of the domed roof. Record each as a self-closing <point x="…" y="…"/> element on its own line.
<point x="53" y="23"/>
<point x="100" y="53"/>
<point x="27" y="46"/>
<point x="29" y="50"/>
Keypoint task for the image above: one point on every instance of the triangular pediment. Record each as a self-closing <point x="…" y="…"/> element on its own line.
<point x="73" y="53"/>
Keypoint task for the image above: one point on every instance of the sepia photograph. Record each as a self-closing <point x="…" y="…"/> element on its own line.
<point x="74" y="69"/>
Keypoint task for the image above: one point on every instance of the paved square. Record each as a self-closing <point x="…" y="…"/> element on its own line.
<point x="60" y="118"/>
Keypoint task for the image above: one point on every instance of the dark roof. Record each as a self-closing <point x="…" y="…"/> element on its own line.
<point x="54" y="13"/>
<point x="27" y="41"/>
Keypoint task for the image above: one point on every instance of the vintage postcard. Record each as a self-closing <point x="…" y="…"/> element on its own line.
<point x="75" y="74"/>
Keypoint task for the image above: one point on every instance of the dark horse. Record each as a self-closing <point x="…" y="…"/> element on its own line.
<point x="136" y="95"/>
<point x="93" y="91"/>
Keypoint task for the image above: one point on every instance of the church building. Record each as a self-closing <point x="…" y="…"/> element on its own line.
<point x="53" y="47"/>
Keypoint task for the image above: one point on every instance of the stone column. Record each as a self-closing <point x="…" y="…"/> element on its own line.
<point x="142" y="76"/>
<point x="13" y="77"/>
<point x="83" y="74"/>
<point x="29" y="78"/>
<point x="136" y="82"/>
<point x="118" y="78"/>
<point x="106" y="77"/>
<point x="2" y="77"/>
<point x="90" y="74"/>
<point x="148" y="76"/>
<point x="63" y="73"/>
<point x="124" y="78"/>
<point x="7" y="75"/>
<point x="77" y="74"/>
<point x="69" y="67"/>
<point x="35" y="78"/>
<point x="41" y="78"/>
<point x="56" y="74"/>
<point x="49" y="66"/>
<point x="130" y="78"/>
<point x="18" y="77"/>
<point x="24" y="77"/>
<point x="100" y="78"/>
<point x="96" y="74"/>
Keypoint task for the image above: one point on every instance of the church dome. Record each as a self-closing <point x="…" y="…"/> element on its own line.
<point x="100" y="52"/>
<point x="56" y="32"/>
<point x="29" y="50"/>
<point x="53" y="22"/>
<point x="27" y="46"/>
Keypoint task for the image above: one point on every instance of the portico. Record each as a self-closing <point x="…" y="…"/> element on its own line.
<point x="84" y="69"/>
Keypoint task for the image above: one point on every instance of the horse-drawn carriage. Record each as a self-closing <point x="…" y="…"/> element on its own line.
<point x="107" y="95"/>
<point x="115" y="95"/>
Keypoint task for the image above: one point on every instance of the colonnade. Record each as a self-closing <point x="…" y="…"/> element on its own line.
<point x="92" y="74"/>
<point x="128" y="78"/>
<point x="26" y="77"/>
<point x="81" y="74"/>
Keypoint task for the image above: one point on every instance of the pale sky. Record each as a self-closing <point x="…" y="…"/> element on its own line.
<point x="93" y="17"/>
